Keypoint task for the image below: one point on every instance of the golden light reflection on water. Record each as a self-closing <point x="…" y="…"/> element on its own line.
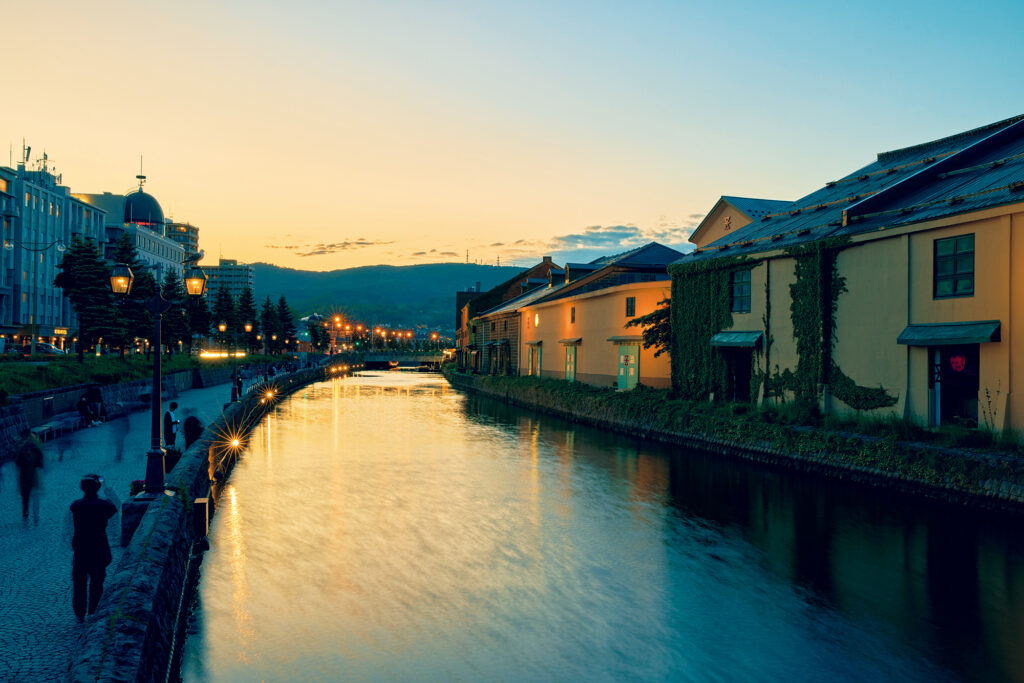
<point x="403" y="535"/>
<point x="240" y="595"/>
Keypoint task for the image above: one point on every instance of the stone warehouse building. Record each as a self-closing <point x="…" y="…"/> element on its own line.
<point x="891" y="290"/>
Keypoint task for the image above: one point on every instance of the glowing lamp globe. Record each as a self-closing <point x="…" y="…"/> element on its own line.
<point x="195" y="281"/>
<point x="121" y="279"/>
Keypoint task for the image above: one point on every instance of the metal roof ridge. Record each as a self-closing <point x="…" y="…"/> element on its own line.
<point x="1005" y="123"/>
<point x="921" y="177"/>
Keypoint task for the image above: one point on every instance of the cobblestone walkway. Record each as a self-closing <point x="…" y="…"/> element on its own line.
<point x="38" y="630"/>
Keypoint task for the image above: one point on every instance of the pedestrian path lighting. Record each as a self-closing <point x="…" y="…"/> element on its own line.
<point x="121" y="279"/>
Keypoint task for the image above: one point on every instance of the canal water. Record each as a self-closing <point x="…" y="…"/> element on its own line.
<point x="387" y="527"/>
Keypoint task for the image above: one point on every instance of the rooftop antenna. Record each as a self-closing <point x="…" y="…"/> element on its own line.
<point x="141" y="178"/>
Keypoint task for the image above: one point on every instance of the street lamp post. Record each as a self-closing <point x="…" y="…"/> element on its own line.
<point x="121" y="279"/>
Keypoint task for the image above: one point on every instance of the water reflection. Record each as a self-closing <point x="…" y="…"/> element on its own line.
<point x="408" y="532"/>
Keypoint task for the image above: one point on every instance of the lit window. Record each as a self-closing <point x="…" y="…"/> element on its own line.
<point x="741" y="291"/>
<point x="630" y="306"/>
<point x="536" y="319"/>
<point x="954" y="267"/>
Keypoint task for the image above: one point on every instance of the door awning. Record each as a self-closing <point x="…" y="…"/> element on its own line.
<point x="574" y="341"/>
<point x="738" y="338"/>
<point x="626" y="339"/>
<point x="535" y="343"/>
<point x="948" y="334"/>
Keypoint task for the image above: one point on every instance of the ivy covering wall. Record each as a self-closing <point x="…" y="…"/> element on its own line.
<point x="701" y="308"/>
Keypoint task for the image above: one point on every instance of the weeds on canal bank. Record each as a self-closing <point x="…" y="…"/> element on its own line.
<point x="971" y="460"/>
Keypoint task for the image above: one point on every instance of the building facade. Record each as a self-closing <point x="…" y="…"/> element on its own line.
<point x="890" y="291"/>
<point x="139" y="216"/>
<point x="230" y="274"/>
<point x="470" y="351"/>
<point x="185" y="234"/>
<point x="39" y="217"/>
<point x="574" y="327"/>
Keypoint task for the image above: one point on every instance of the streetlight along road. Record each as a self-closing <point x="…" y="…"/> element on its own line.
<point x="121" y="279"/>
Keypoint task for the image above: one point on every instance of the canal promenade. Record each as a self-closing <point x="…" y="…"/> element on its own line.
<point x="38" y="631"/>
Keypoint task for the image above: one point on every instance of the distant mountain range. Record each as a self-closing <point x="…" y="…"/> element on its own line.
<point x="404" y="296"/>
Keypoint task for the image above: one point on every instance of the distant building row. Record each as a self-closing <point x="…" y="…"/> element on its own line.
<point x="890" y="291"/>
<point x="39" y="217"/>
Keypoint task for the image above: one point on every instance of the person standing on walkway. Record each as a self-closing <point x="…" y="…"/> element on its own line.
<point x="90" y="515"/>
<point x="28" y="456"/>
<point x="171" y="425"/>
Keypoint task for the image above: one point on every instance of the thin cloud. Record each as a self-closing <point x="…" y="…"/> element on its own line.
<point x="325" y="248"/>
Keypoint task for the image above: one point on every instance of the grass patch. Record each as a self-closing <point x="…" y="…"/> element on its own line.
<point x="25" y="377"/>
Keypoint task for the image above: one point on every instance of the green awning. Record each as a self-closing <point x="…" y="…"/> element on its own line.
<point x="535" y="343"/>
<point x="948" y="334"/>
<point x="626" y="339"/>
<point x="737" y="338"/>
<point x="574" y="341"/>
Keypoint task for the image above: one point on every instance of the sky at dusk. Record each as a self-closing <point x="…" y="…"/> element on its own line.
<point x="324" y="135"/>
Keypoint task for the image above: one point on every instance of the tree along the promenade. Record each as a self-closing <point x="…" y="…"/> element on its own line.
<point x="657" y="328"/>
<point x="175" y="326"/>
<point x="270" y="325"/>
<point x="319" y="338"/>
<point x="224" y="312"/>
<point x="286" y="321"/>
<point x="247" y="314"/>
<point x="85" y="278"/>
<point x="131" y="318"/>
<point x="197" y="319"/>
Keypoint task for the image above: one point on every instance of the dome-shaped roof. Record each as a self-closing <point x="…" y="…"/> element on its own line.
<point x="140" y="207"/>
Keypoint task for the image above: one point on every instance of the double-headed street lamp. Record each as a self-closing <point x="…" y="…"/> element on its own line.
<point x="121" y="279"/>
<point x="222" y="327"/>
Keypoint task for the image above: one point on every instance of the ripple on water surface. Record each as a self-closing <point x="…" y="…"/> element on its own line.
<point x="386" y="527"/>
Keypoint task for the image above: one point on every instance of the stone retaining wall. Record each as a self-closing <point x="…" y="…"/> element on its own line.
<point x="39" y="406"/>
<point x="208" y="377"/>
<point x="992" y="482"/>
<point x="134" y="632"/>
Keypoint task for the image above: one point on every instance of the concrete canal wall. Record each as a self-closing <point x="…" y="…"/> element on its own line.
<point x="978" y="478"/>
<point x="137" y="629"/>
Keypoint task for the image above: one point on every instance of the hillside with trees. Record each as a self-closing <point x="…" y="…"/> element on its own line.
<point x="400" y="295"/>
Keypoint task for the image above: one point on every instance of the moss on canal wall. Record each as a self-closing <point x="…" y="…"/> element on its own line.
<point x="133" y="635"/>
<point x="964" y="476"/>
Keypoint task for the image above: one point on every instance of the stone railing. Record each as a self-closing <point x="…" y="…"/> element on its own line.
<point x="137" y="628"/>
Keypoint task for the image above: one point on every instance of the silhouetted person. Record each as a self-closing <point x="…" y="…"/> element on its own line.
<point x="171" y="425"/>
<point x="90" y="515"/>
<point x="193" y="430"/>
<point x="28" y="456"/>
<point x="95" y="397"/>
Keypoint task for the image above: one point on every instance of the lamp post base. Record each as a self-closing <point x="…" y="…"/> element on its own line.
<point x="155" y="470"/>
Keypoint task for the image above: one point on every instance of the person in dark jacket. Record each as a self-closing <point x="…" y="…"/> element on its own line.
<point x="28" y="456"/>
<point x="171" y="425"/>
<point x="90" y="514"/>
